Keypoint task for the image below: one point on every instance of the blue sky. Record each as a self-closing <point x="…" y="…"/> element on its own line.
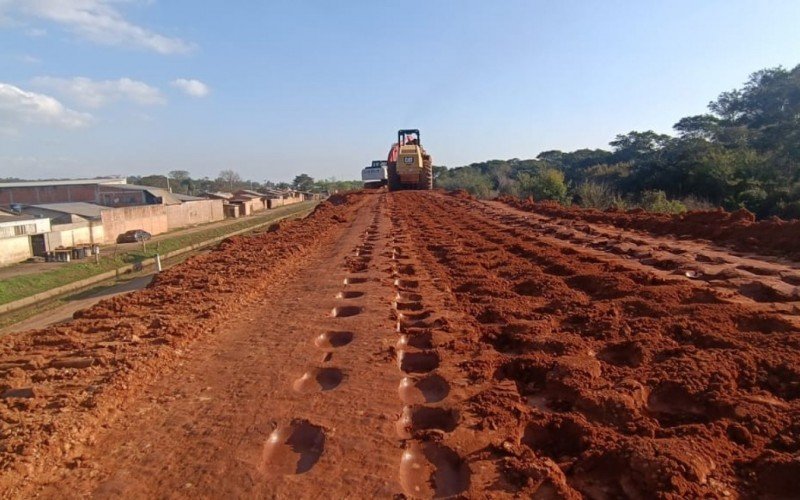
<point x="273" y="89"/>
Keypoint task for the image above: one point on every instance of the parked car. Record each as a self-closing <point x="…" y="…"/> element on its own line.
<point x="133" y="236"/>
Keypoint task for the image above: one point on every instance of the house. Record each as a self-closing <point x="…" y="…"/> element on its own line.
<point x="308" y="196"/>
<point x="71" y="224"/>
<point x="280" y="197"/>
<point x="21" y="236"/>
<point x="249" y="201"/>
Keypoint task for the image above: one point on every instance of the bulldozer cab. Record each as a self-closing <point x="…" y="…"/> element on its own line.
<point x="408" y="137"/>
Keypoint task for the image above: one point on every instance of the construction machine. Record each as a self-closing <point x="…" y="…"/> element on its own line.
<point x="375" y="175"/>
<point x="410" y="167"/>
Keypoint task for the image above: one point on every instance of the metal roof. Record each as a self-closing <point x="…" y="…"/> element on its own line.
<point x="90" y="210"/>
<point x="167" y="197"/>
<point x="67" y="182"/>
<point x="186" y="197"/>
<point x="6" y="216"/>
<point x="278" y="192"/>
<point x="218" y="194"/>
<point x="249" y="192"/>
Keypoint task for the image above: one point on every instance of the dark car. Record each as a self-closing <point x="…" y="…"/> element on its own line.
<point x="133" y="236"/>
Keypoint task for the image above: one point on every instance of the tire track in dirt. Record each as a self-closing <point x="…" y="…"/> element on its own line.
<point x="427" y="467"/>
<point x="294" y="448"/>
<point x="600" y="380"/>
<point x="770" y="281"/>
<point x="738" y="230"/>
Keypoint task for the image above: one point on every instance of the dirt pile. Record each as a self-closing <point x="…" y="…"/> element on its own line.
<point x="58" y="384"/>
<point x="737" y="229"/>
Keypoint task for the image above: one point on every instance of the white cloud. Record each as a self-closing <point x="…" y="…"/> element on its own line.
<point x="194" y="88"/>
<point x="98" y="93"/>
<point x="97" y="20"/>
<point x="19" y="107"/>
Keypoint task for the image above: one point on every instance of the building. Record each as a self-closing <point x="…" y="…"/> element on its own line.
<point x="43" y="216"/>
<point x="129" y="195"/>
<point x="71" y="224"/>
<point x="109" y="192"/>
<point x="67" y="191"/>
<point x="249" y="201"/>
<point x="21" y="236"/>
<point x="308" y="196"/>
<point x="218" y="195"/>
<point x="280" y="197"/>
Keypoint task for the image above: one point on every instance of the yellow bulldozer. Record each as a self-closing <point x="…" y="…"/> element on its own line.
<point x="409" y="166"/>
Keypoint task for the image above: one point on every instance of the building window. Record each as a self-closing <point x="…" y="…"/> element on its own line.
<point x="25" y="229"/>
<point x="20" y="230"/>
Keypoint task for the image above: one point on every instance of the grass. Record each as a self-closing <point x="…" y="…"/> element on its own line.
<point x="45" y="306"/>
<point x="19" y="287"/>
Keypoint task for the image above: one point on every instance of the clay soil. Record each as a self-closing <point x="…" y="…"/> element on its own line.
<point x="738" y="230"/>
<point x="418" y="345"/>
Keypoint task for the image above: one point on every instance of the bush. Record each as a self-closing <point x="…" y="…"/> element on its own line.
<point x="657" y="201"/>
<point x="467" y="179"/>
<point x="598" y="195"/>
<point x="754" y="199"/>
<point x="695" y="203"/>
<point x="548" y="184"/>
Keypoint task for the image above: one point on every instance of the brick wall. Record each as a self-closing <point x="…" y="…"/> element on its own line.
<point x="48" y="194"/>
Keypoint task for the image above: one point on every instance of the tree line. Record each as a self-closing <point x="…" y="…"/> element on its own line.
<point x="745" y="152"/>
<point x="181" y="181"/>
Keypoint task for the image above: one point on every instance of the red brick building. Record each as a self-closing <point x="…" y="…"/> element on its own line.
<point x="38" y="192"/>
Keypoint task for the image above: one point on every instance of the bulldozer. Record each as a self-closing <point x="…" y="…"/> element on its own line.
<point x="410" y="166"/>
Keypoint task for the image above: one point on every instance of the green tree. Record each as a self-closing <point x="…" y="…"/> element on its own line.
<point x="546" y="185"/>
<point x="468" y="179"/>
<point x="636" y="145"/>
<point x="303" y="182"/>
<point x="179" y="175"/>
<point x="438" y="171"/>
<point x="179" y="180"/>
<point x="159" y="181"/>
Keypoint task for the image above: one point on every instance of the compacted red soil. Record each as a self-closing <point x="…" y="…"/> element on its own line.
<point x="417" y="344"/>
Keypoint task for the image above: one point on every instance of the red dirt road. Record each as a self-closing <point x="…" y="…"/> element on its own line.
<point x="419" y="344"/>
